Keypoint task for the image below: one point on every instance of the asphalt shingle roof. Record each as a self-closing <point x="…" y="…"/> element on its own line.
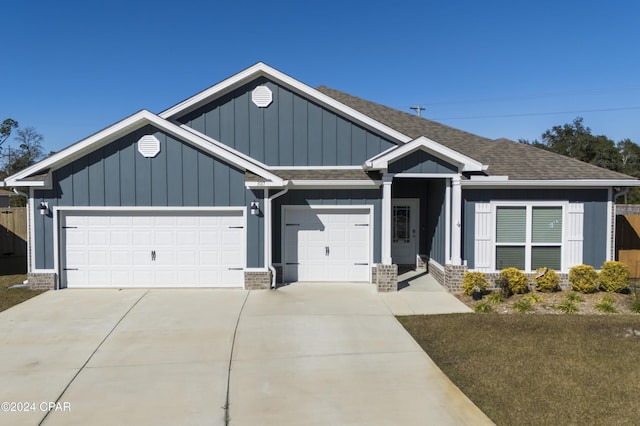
<point x="503" y="156"/>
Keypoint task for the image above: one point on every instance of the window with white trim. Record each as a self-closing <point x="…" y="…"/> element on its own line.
<point x="528" y="236"/>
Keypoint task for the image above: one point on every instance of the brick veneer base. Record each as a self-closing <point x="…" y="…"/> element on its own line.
<point x="42" y="281"/>
<point x="257" y="280"/>
<point x="385" y="277"/>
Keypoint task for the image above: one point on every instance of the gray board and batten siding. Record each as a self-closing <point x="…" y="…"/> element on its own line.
<point x="421" y="162"/>
<point x="595" y="233"/>
<point x="291" y="131"/>
<point x="117" y="175"/>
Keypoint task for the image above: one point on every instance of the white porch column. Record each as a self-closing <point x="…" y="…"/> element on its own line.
<point x="456" y="221"/>
<point x="386" y="219"/>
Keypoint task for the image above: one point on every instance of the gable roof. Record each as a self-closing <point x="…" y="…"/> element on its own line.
<point x="504" y="157"/>
<point x="43" y="168"/>
<point x="263" y="70"/>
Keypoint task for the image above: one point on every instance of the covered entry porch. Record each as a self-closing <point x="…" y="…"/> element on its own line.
<point x="421" y="211"/>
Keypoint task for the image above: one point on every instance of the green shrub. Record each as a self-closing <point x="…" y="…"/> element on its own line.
<point x="483" y="307"/>
<point x="533" y="298"/>
<point x="635" y="302"/>
<point x="607" y="305"/>
<point x="614" y="276"/>
<point x="547" y="280"/>
<point x="523" y="305"/>
<point x="516" y="280"/>
<point x="574" y="297"/>
<point x="495" y="298"/>
<point x="583" y="278"/>
<point x="568" y="307"/>
<point x="474" y="280"/>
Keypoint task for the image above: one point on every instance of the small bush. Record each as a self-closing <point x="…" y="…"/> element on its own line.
<point x="568" y="307"/>
<point x="483" y="307"/>
<point x="574" y="297"/>
<point x="523" y="305"/>
<point x="495" y="298"/>
<point x="473" y="280"/>
<point x="607" y="305"/>
<point x="533" y="298"/>
<point x="635" y="302"/>
<point x="583" y="278"/>
<point x="614" y="276"/>
<point x="547" y="280"/>
<point x="516" y="279"/>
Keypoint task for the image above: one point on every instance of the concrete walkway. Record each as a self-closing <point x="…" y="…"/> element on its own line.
<point x="311" y="354"/>
<point x="421" y="294"/>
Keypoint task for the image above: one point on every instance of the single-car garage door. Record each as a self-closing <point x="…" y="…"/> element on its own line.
<point x="327" y="244"/>
<point x="152" y="249"/>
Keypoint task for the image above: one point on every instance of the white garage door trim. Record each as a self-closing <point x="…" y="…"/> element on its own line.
<point x="236" y="276"/>
<point x="362" y="209"/>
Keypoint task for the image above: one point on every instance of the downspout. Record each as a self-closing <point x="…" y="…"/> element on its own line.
<point x="620" y="192"/>
<point x="269" y="233"/>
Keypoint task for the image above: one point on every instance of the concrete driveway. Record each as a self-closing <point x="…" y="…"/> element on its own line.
<point x="307" y="354"/>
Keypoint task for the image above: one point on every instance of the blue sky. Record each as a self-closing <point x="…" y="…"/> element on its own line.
<point x="494" y="68"/>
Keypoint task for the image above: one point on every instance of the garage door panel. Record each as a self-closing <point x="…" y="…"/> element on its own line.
<point x="325" y="244"/>
<point x="116" y="249"/>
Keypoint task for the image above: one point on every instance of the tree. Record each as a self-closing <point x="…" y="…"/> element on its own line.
<point x="29" y="151"/>
<point x="576" y="141"/>
<point x="5" y="129"/>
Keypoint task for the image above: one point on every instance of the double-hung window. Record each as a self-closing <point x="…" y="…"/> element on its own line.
<point x="528" y="237"/>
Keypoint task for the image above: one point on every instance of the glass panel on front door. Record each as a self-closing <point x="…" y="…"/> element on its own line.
<point x="401" y="224"/>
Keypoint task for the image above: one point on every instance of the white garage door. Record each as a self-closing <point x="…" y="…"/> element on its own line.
<point x="327" y="244"/>
<point x="152" y="249"/>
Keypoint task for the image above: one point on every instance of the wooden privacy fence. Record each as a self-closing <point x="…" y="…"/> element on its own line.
<point x="13" y="231"/>
<point x="628" y="242"/>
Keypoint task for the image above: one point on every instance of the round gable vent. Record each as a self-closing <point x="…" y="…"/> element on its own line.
<point x="149" y="146"/>
<point x="262" y="96"/>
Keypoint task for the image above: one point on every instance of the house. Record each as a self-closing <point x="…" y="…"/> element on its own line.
<point x="261" y="178"/>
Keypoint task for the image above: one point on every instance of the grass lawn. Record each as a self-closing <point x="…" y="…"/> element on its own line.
<point x="13" y="296"/>
<point x="539" y="369"/>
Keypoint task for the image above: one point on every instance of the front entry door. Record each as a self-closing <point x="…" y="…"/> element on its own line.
<point x="404" y="230"/>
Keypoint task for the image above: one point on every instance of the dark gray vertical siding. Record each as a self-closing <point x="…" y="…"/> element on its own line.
<point x="127" y="172"/>
<point x="111" y="156"/>
<point x="285" y="127"/>
<point x="159" y="175"/>
<point x="300" y="126"/>
<point x="328" y="198"/>
<point x="437" y="216"/>
<point x="329" y="141"/>
<point x="594" y="250"/>
<point x="255" y="229"/>
<point x="595" y="216"/>
<point x="117" y="175"/>
<point x="96" y="179"/>
<point x="469" y="232"/>
<point x="314" y="135"/>
<point x="421" y="162"/>
<point x="291" y="131"/>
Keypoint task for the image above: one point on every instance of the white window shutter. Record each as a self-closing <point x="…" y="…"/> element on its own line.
<point x="575" y="235"/>
<point x="483" y="238"/>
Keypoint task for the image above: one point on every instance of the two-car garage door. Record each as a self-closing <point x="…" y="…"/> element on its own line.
<point x="152" y="248"/>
